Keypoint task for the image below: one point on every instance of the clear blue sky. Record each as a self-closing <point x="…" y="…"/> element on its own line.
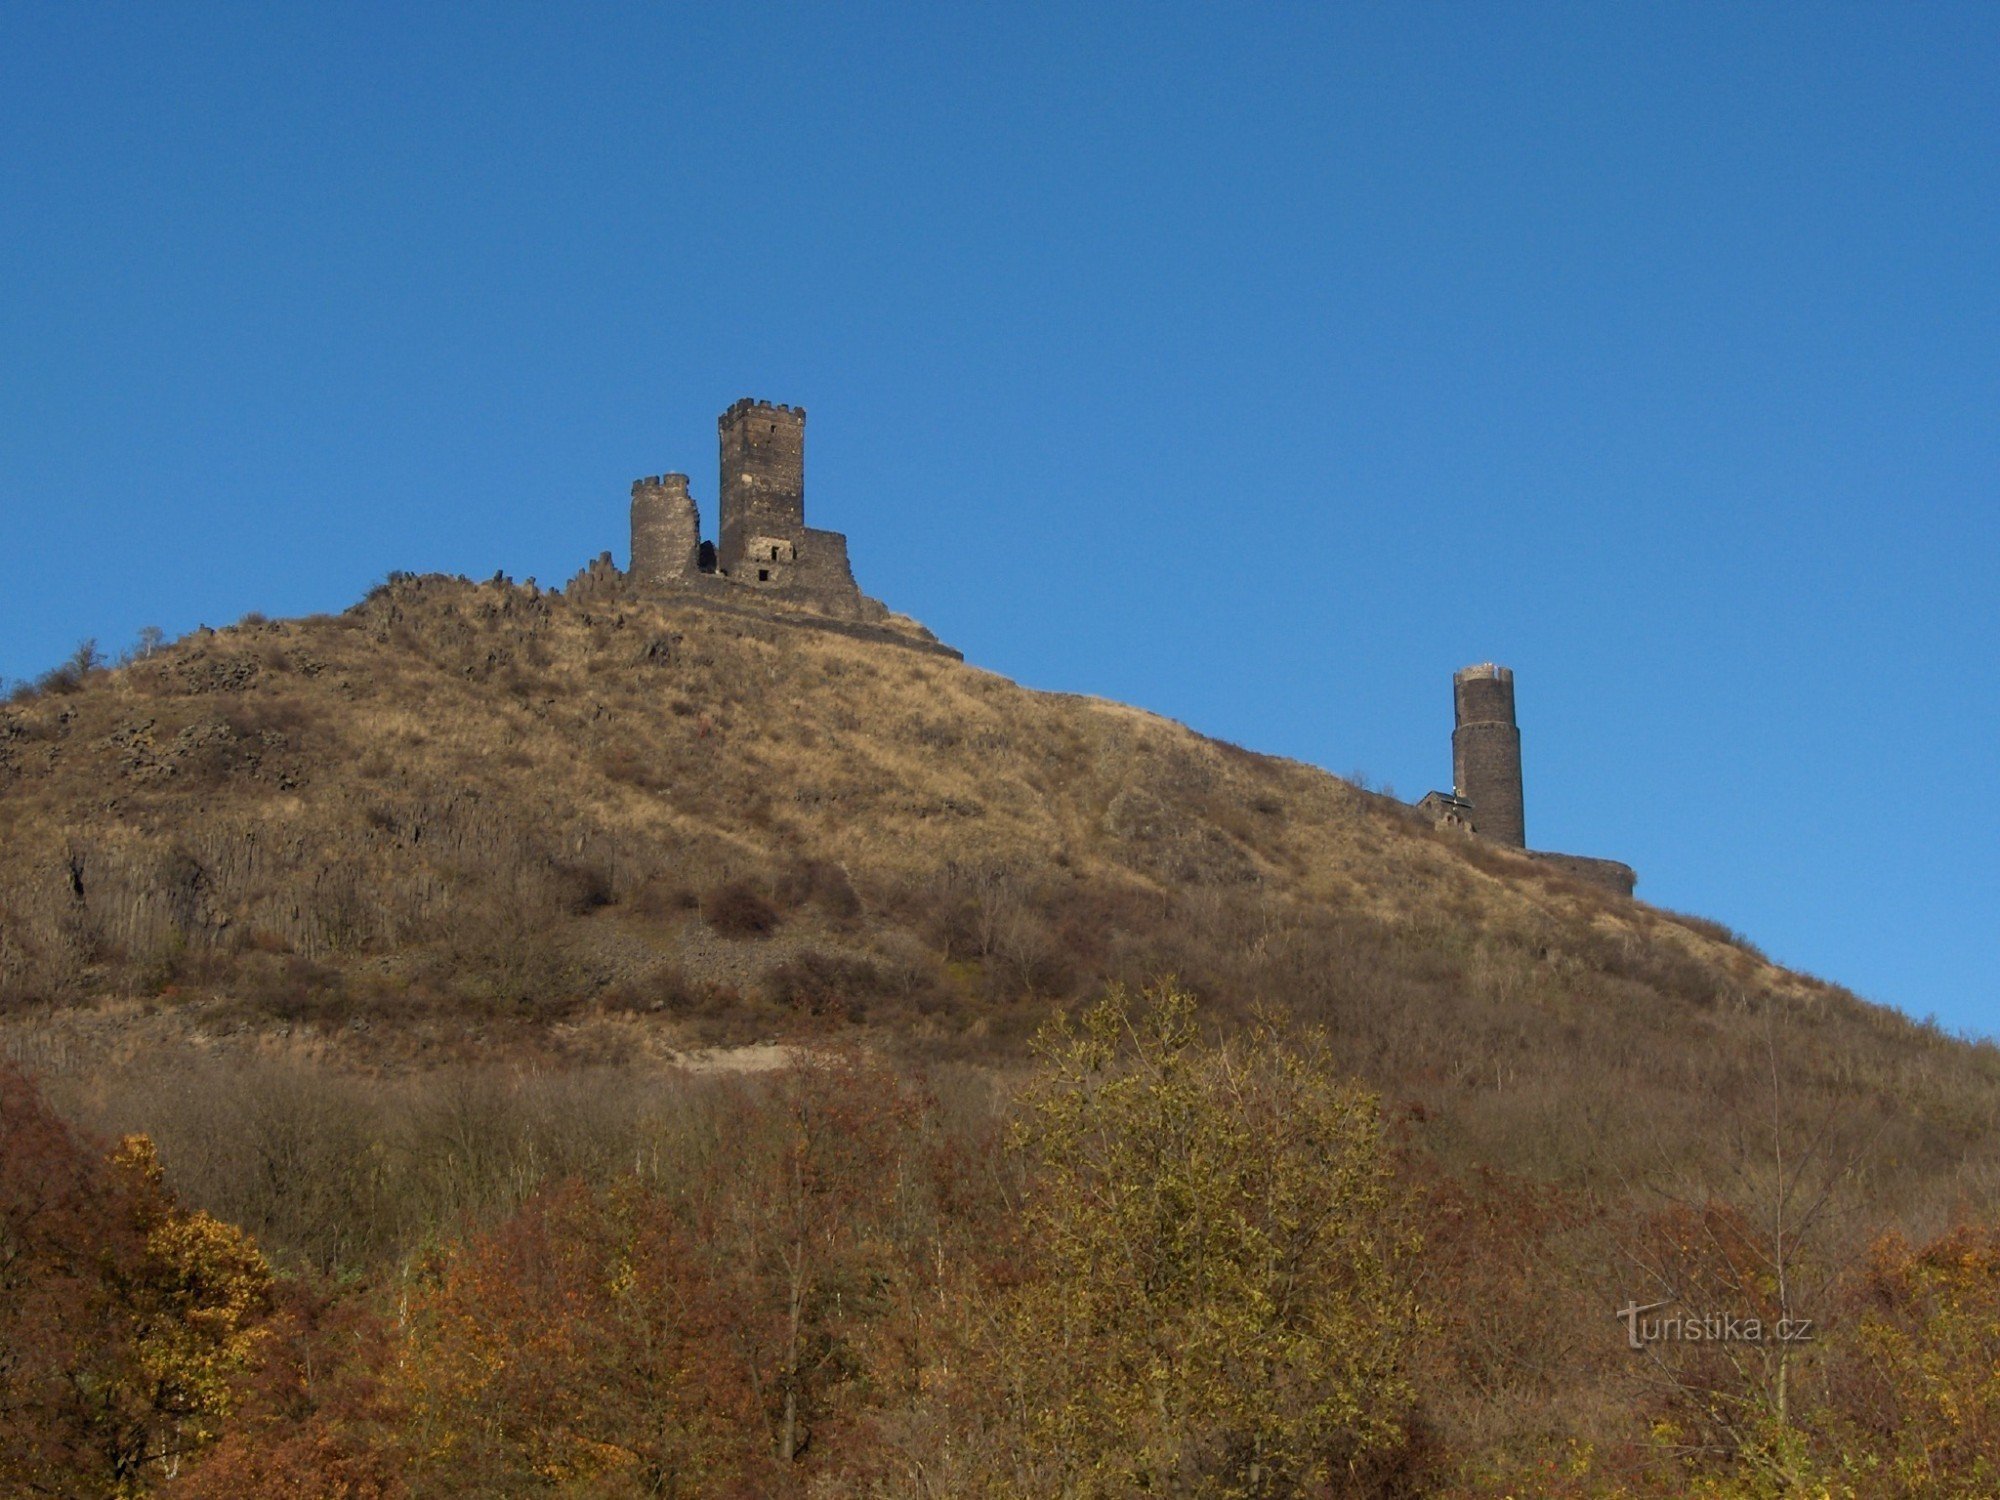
<point x="1256" y="365"/>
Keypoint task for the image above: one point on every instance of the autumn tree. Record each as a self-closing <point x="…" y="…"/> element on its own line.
<point x="1739" y="1271"/>
<point x="1916" y="1408"/>
<point x="123" y="1316"/>
<point x="318" y="1414"/>
<point x="1217" y="1301"/>
<point x="577" y="1348"/>
<point x="808" y="1173"/>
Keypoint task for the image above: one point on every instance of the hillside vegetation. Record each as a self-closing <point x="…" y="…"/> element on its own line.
<point x="477" y="921"/>
<point x="468" y="813"/>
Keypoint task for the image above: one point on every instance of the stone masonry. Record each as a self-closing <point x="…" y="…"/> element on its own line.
<point x="666" y="533"/>
<point x="1486" y="752"/>
<point x="762" y="529"/>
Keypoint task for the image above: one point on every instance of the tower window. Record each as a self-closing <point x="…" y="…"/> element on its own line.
<point x="763" y="575"/>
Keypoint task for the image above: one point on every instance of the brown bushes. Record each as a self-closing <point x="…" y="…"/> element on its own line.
<point x="664" y="897"/>
<point x="847" y="1245"/>
<point x="626" y="766"/>
<point x="823" y="985"/>
<point x="738" y="909"/>
<point x="376" y="815"/>
<point x="821" y="883"/>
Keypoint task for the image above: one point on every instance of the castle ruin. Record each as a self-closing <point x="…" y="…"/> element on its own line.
<point x="764" y="549"/>
<point x="1486" y="798"/>
<point x="762" y="544"/>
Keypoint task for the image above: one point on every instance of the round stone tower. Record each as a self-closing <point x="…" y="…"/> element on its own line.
<point x="1486" y="752"/>
<point x="666" y="533"/>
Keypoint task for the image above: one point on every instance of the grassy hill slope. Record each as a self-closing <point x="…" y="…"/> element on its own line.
<point x="466" y="820"/>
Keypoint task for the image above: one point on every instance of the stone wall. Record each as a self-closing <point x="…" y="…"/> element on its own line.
<point x="1609" y="873"/>
<point x="825" y="578"/>
<point x="599" y="583"/>
<point x="1446" y="811"/>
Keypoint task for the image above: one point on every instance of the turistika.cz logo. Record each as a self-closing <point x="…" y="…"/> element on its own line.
<point x="1707" y="1328"/>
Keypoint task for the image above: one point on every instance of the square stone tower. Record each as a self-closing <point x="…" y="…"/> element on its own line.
<point x="763" y="511"/>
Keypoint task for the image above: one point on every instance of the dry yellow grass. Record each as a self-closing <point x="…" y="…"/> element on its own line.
<point x="464" y="820"/>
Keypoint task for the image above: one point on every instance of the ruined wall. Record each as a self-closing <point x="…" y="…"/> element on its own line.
<point x="666" y="534"/>
<point x="763" y="495"/>
<point x="1446" y="811"/>
<point x="1486" y="752"/>
<point x="826" y="578"/>
<point x="599" y="583"/>
<point x="1608" y="873"/>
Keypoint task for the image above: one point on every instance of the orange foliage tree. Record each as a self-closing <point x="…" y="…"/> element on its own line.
<point x="799" y="1214"/>
<point x="123" y="1316"/>
<point x="317" y="1415"/>
<point x="579" y="1348"/>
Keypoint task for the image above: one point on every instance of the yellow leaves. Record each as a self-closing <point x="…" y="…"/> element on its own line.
<point x="576" y="1341"/>
<point x="137" y="1155"/>
<point x="214" y="1272"/>
<point x="1219" y="1308"/>
<point x="206" y="1285"/>
<point x="1920" y="1409"/>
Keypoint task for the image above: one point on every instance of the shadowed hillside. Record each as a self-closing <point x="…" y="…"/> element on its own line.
<point x="463" y="815"/>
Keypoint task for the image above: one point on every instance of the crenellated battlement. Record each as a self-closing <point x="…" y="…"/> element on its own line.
<point x="747" y="404"/>
<point x="673" y="484"/>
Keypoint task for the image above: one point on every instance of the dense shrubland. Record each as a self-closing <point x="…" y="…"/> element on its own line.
<point x="1161" y="1259"/>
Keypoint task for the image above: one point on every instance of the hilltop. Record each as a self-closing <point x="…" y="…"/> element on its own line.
<point x="466" y="820"/>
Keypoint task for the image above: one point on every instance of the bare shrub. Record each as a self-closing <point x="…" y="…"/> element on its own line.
<point x="287" y="987"/>
<point x="583" y="886"/>
<point x="737" y="909"/>
<point x="71" y="675"/>
<point x="819" y="882"/>
<point x="626" y="766"/>
<point x="661" y="896"/>
<point x="666" y="987"/>
<point x="825" y="985"/>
